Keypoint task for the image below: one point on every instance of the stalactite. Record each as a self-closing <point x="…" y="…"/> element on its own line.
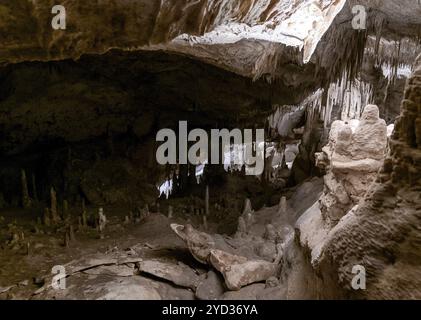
<point x="379" y="23"/>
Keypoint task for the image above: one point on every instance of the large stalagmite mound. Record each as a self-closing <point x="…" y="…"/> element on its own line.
<point x="382" y="232"/>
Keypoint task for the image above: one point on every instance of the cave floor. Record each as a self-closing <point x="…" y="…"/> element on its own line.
<point x="25" y="272"/>
<point x="107" y="268"/>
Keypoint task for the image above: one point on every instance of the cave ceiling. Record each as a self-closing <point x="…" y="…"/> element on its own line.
<point x="252" y="38"/>
<point x="268" y="52"/>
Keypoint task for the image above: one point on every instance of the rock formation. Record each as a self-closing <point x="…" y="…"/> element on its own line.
<point x="380" y="234"/>
<point x="351" y="160"/>
<point x="26" y="200"/>
<point x="238" y="271"/>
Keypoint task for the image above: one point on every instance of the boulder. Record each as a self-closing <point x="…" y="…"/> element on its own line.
<point x="179" y="274"/>
<point x="238" y="272"/>
<point x="199" y="243"/>
<point x="211" y="288"/>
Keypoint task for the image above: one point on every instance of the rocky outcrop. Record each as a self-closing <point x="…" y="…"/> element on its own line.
<point x="388" y="220"/>
<point x="380" y="235"/>
<point x="238" y="271"/>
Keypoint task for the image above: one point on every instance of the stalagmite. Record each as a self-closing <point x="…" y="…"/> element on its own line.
<point x="66" y="239"/>
<point x="270" y="233"/>
<point x="71" y="233"/>
<point x="53" y="209"/>
<point x="84" y="214"/>
<point x="351" y="159"/>
<point x="248" y="214"/>
<point x="241" y="228"/>
<point x="282" y="206"/>
<point x="34" y="188"/>
<point x="283" y="161"/>
<point x="170" y="212"/>
<point x="247" y="207"/>
<point x="205" y="223"/>
<point x="207" y="201"/>
<point x="47" y="220"/>
<point x="26" y="200"/>
<point x="102" y="221"/>
<point x="249" y="219"/>
<point x="15" y="239"/>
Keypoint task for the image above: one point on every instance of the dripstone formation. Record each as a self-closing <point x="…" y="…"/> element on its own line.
<point x="352" y="160"/>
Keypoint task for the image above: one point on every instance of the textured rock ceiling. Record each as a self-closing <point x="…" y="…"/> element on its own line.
<point x="136" y="23"/>
<point x="250" y="37"/>
<point x="259" y="39"/>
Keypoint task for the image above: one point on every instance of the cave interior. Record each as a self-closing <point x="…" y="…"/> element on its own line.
<point x="81" y="187"/>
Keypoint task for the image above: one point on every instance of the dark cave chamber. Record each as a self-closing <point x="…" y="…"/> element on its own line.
<point x="87" y="129"/>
